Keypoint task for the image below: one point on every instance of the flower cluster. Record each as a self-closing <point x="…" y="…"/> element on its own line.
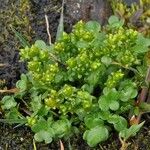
<point x="69" y="99"/>
<point x="114" y="78"/>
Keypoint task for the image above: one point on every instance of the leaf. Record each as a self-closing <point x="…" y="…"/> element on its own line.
<point x="22" y="40"/>
<point x="59" y="77"/>
<point x="43" y="131"/>
<point x="91" y="122"/>
<point x="143" y="41"/>
<point x="113" y="19"/>
<point x="40" y="125"/>
<point x="95" y="135"/>
<point x="128" y="93"/>
<point x="114" y="105"/>
<point x="40" y="44"/>
<point x="127" y="133"/>
<point x="43" y="111"/>
<point x="142" y="45"/>
<point x="82" y="44"/>
<point x="22" y="84"/>
<point x="115" y="22"/>
<point x="36" y="103"/>
<point x="144" y="107"/>
<point x="13" y="121"/>
<point x="93" y="78"/>
<point x="98" y="41"/>
<point x="44" y="136"/>
<point x="121" y="124"/>
<point x="104" y="115"/>
<point x="103" y="103"/>
<point x="110" y="100"/>
<point x="13" y="113"/>
<point x="106" y="60"/>
<point x="8" y="102"/>
<point x="136" y="111"/>
<point x="88" y="88"/>
<point x="60" y="28"/>
<point x="93" y="26"/>
<point x="113" y="95"/>
<point x="61" y="127"/>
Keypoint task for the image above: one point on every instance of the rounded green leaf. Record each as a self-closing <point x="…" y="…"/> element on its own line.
<point x="93" y="26"/>
<point x="40" y="125"/>
<point x="8" y="102"/>
<point x="95" y="135"/>
<point x="40" y="44"/>
<point x="128" y="94"/>
<point x="82" y="44"/>
<point x="61" y="127"/>
<point x="113" y="19"/>
<point x="44" y="136"/>
<point x="22" y="84"/>
<point x="114" y="105"/>
<point x="106" y="60"/>
<point x="91" y="121"/>
<point x="121" y="124"/>
<point x="103" y="103"/>
<point x="115" y="22"/>
<point x="113" y="95"/>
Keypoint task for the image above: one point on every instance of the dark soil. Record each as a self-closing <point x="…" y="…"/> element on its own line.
<point x="27" y="17"/>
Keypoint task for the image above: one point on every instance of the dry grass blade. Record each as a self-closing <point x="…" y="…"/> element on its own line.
<point x="61" y="145"/>
<point x="47" y="28"/>
<point x="15" y="90"/>
<point x="3" y="65"/>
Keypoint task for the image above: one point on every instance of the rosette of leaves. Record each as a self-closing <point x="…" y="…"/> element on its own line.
<point x="85" y="82"/>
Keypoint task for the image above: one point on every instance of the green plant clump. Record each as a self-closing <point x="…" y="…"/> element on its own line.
<point x="86" y="82"/>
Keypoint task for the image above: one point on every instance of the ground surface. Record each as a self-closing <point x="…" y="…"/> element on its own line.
<point x="27" y="17"/>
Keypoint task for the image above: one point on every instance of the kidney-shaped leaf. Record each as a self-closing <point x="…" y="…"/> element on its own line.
<point x="44" y="135"/>
<point x="8" y="102"/>
<point x="93" y="26"/>
<point x="91" y="121"/>
<point x="61" y="127"/>
<point x="95" y="135"/>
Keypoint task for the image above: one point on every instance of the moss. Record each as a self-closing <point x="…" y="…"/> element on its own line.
<point x="137" y="15"/>
<point x="15" y="14"/>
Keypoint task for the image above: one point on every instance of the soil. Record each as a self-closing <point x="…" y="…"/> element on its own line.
<point x="27" y="17"/>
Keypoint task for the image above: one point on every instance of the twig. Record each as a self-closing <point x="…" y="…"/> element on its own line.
<point x="47" y="28"/>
